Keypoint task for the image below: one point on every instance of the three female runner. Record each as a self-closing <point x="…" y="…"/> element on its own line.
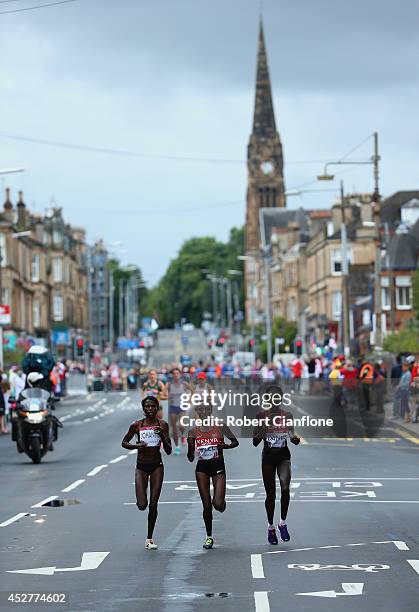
<point x="276" y="459"/>
<point x="151" y="433"/>
<point x="207" y="442"/>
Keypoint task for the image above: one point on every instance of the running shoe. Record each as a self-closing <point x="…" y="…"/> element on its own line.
<point x="209" y="543"/>
<point x="272" y="537"/>
<point x="149" y="545"/>
<point x="176" y="451"/>
<point x="285" y="536"/>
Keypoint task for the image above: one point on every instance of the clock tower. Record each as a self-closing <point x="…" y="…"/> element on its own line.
<point x="264" y="154"/>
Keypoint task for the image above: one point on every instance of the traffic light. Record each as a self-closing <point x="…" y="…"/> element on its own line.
<point x="251" y="344"/>
<point x="80" y="347"/>
<point x="298" y="347"/>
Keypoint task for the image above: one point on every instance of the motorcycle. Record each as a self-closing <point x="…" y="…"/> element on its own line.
<point x="34" y="428"/>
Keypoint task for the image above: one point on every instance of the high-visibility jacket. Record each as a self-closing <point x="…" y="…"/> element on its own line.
<point x="366" y="373"/>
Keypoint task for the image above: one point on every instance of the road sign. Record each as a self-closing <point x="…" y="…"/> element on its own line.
<point x="5" y="316"/>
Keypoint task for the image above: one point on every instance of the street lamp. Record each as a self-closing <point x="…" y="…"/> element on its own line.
<point x="326" y="176"/>
<point x="253" y="304"/>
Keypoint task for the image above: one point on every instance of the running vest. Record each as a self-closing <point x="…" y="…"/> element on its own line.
<point x="206" y="443"/>
<point x="153" y="390"/>
<point x="147" y="434"/>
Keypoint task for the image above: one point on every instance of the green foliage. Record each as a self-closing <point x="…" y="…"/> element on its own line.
<point x="283" y="329"/>
<point x="120" y="275"/>
<point x="184" y="291"/>
<point x="404" y="341"/>
<point x="12" y="357"/>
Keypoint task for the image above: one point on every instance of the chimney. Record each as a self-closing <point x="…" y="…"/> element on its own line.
<point x="366" y="211"/>
<point x="8" y="206"/>
<point x="21" y="212"/>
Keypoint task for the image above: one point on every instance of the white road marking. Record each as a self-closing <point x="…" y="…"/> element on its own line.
<point x="349" y="588"/>
<point x="322" y="478"/>
<point x="308" y="501"/>
<point x="97" y="469"/>
<point x="14" y="518"/>
<point x="73" y="485"/>
<point x="257" y="566"/>
<point x="396" y="543"/>
<point x="44" y="501"/>
<point x="414" y="563"/>
<point x="261" y="601"/>
<point x="118" y="458"/>
<point x="357" y="567"/>
<point x="131" y="452"/>
<point x="89" y="561"/>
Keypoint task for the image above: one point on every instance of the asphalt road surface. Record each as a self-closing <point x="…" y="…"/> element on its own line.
<point x="353" y="520"/>
<point x="171" y="344"/>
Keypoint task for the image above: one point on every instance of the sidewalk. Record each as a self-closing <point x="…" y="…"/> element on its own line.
<point x="411" y="428"/>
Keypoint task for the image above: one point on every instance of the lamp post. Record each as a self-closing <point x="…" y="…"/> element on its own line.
<point x="326" y="176"/>
<point x="374" y="161"/>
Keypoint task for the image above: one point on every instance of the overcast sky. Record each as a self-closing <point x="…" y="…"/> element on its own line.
<point x="176" y="78"/>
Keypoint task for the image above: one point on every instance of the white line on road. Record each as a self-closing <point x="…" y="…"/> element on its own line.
<point x="14" y="518"/>
<point x="396" y="543"/>
<point x="296" y="478"/>
<point x="73" y="485"/>
<point x="257" y="566"/>
<point x="44" y="501"/>
<point x="97" y="469"/>
<point x="261" y="601"/>
<point x="118" y="458"/>
<point x="414" y="563"/>
<point x="294" y="501"/>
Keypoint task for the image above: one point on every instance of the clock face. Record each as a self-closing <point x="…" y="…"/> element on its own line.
<point x="267" y="167"/>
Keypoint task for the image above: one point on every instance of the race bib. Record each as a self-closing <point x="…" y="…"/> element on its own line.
<point x="207" y="448"/>
<point x="149" y="436"/>
<point x="276" y="439"/>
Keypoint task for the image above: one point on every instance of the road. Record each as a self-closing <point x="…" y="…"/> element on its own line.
<point x="353" y="522"/>
<point x="171" y="344"/>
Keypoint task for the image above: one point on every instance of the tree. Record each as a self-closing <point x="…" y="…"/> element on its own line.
<point x="184" y="291"/>
<point x="404" y="341"/>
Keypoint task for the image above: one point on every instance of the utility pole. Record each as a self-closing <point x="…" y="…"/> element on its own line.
<point x="265" y="257"/>
<point x="121" y="307"/>
<point x="345" y="296"/>
<point x="378" y="340"/>
<point x="111" y="308"/>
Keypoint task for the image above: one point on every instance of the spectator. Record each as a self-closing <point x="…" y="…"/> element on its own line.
<point x="379" y="387"/>
<point x="396" y="373"/>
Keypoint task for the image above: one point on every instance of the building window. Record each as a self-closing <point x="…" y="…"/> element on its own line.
<point x="336" y="260"/>
<point x="35" y="268"/>
<point x="36" y="313"/>
<point x="3" y="250"/>
<point x="58" y="308"/>
<point x="67" y="273"/>
<point x="57" y="269"/>
<point x="403" y="292"/>
<point x="336" y="305"/>
<point x="5" y="296"/>
<point x="385" y="298"/>
<point x="56" y="236"/>
<point x="292" y="310"/>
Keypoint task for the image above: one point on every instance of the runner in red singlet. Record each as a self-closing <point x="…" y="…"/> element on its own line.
<point x="207" y="443"/>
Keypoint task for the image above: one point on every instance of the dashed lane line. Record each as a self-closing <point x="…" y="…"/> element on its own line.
<point x="261" y="601"/>
<point x="73" y="485"/>
<point x="97" y="469"/>
<point x="44" y="501"/>
<point x="117" y="459"/>
<point x="14" y="518"/>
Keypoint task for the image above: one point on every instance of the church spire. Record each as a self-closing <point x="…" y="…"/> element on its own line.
<point x="263" y="118"/>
